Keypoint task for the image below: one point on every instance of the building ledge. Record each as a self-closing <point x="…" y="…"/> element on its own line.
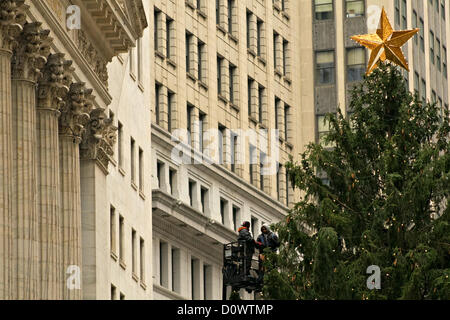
<point x="175" y="211"/>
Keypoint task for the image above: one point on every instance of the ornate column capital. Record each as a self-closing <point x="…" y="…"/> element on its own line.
<point x="52" y="87"/>
<point x="12" y="19"/>
<point x="75" y="111"/>
<point x="99" y="139"/>
<point x="30" y="54"/>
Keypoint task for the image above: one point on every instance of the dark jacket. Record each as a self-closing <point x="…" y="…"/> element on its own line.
<point x="269" y="240"/>
<point x="245" y="236"/>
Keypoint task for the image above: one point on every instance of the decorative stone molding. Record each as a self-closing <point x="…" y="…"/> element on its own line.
<point x="12" y="19"/>
<point x="52" y="87"/>
<point x="99" y="139"/>
<point x="93" y="57"/>
<point x="75" y="111"/>
<point x="27" y="60"/>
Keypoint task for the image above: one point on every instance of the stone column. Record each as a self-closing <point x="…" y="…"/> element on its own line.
<point x="27" y="61"/>
<point x="96" y="151"/>
<point x="51" y="92"/>
<point x="74" y="116"/>
<point x="11" y="21"/>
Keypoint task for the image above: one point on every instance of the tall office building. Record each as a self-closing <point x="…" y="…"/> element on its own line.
<point x="224" y="77"/>
<point x="338" y="62"/>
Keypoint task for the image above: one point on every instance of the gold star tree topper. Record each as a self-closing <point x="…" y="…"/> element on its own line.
<point x="385" y="44"/>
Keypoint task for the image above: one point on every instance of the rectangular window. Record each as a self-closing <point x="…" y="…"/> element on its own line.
<point x="285" y="57"/>
<point x="139" y="59"/>
<point x="204" y="199"/>
<point x="158" y="88"/>
<point x="195" y="280"/>
<point x="201" y="129"/>
<point x="262" y="161"/>
<point x="156" y="17"/>
<point x="234" y="150"/>
<point x="236" y="217"/>
<point x="287" y="188"/>
<point x="438" y="54"/>
<point x="207" y="282"/>
<point x="260" y="104"/>
<point x="397" y="12"/>
<point x="254" y="226"/>
<point x="201" y="60"/>
<point x="230" y="16"/>
<point x="323" y="129"/>
<point x="248" y="21"/>
<point x="323" y="9"/>
<point x="354" y="8"/>
<point x="416" y="83"/>
<point x="218" y="11"/>
<point x="221" y="143"/>
<point x="287" y="115"/>
<point x="404" y="22"/>
<point x="192" y="189"/>
<point x="170" y="109"/>
<point x="189" y="37"/>
<point x="163" y="264"/>
<point x="113" y="292"/>
<point x="432" y="47"/>
<point x="422" y="35"/>
<point x="160" y="174"/>
<point x="142" y="260"/>
<point x="133" y="160"/>
<point x="259" y="35"/>
<point x="232" y="71"/>
<point x="356" y="64"/>
<point x="275" y="51"/>
<point x="424" y="90"/>
<point x="112" y="229"/>
<point x="120" y="144"/>
<point x="170" y="30"/>
<point x="252" y="162"/>
<point x="325" y="67"/>
<point x="415" y="25"/>
<point x="223" y="209"/>
<point x="249" y="95"/>
<point x="121" y="239"/>
<point x="219" y="75"/>
<point x="176" y="271"/>
<point x="133" y="252"/>
<point x="141" y="170"/>
<point x="173" y="181"/>
<point x="190" y="110"/>
<point x="444" y="61"/>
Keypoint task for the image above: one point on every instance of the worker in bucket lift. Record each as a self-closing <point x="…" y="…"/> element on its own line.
<point x="246" y="236"/>
<point x="267" y="239"/>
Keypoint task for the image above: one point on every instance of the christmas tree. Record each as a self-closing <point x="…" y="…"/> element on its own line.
<point x="374" y="192"/>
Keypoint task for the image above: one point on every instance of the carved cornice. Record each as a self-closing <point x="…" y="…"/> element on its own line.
<point x="136" y="15"/>
<point x="93" y="57"/>
<point x="53" y="86"/>
<point x="12" y="19"/>
<point x="75" y="111"/>
<point x="99" y="139"/>
<point x="29" y="56"/>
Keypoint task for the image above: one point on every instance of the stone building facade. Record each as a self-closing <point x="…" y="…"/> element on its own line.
<point x="58" y="140"/>
<point x="338" y="63"/>
<point x="223" y="78"/>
